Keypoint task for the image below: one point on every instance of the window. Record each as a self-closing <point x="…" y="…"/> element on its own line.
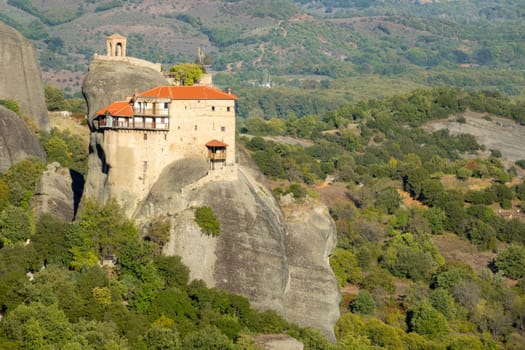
<point x="213" y="108"/>
<point x="195" y="127"/>
<point x="228" y="108"/>
<point x="145" y="136"/>
<point x="165" y="105"/>
<point x="223" y="128"/>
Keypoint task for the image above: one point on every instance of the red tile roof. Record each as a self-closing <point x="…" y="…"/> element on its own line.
<point x="216" y="143"/>
<point x="188" y="93"/>
<point x="119" y="108"/>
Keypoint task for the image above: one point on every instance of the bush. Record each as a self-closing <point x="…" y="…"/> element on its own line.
<point x="520" y="163"/>
<point x="511" y="261"/>
<point x="363" y="304"/>
<point x="11" y="105"/>
<point x="207" y="221"/>
<point x="425" y="320"/>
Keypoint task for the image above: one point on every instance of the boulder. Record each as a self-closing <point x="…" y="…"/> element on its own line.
<point x="21" y="76"/>
<point x="58" y="192"/>
<point x="110" y="81"/>
<point x="278" y="261"/>
<point x="17" y="142"/>
<point x="105" y="83"/>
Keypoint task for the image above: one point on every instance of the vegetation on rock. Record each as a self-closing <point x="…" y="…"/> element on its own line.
<point x="207" y="221"/>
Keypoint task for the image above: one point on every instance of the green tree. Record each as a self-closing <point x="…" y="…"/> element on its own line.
<point x="442" y="301"/>
<point x="172" y="270"/>
<point x="187" y="73"/>
<point x="345" y="267"/>
<point x="55" y="99"/>
<point x="208" y="338"/>
<point x="15" y="224"/>
<point x="363" y="304"/>
<point x="511" y="261"/>
<point x="425" y="320"/>
<point x="21" y="179"/>
<point x="389" y="200"/>
<point x="104" y="228"/>
<point x="37" y="326"/>
<point x="158" y="231"/>
<point x="159" y="337"/>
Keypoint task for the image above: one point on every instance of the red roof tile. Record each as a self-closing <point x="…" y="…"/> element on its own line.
<point x="119" y="108"/>
<point x="216" y="143"/>
<point x="188" y="93"/>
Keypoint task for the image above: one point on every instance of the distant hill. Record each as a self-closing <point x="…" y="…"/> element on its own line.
<point x="475" y="45"/>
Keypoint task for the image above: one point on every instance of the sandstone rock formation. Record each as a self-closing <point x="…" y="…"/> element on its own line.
<point x="17" y="142"/>
<point x="278" y="261"/>
<point x="110" y="81"/>
<point x="275" y="261"/>
<point x="21" y="79"/>
<point x="107" y="82"/>
<point x="58" y="193"/>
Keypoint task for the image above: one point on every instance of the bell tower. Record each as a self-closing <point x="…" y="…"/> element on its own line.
<point x="116" y="45"/>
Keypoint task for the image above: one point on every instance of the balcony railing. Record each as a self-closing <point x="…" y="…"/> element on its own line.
<point x="218" y="156"/>
<point x="132" y="124"/>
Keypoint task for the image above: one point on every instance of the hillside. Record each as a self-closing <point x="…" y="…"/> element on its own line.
<point x="305" y="44"/>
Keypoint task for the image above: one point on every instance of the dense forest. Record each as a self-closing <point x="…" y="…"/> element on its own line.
<point x="404" y="293"/>
<point x="298" y="44"/>
<point x="430" y="225"/>
<point x="100" y="282"/>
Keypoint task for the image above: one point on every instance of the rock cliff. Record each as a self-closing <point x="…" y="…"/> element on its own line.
<point x="58" y="192"/>
<point x="278" y="260"/>
<point x="17" y="142"/>
<point x="107" y="82"/>
<point x="21" y="79"/>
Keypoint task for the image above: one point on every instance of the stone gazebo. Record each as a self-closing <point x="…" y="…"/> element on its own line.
<point x="116" y="45"/>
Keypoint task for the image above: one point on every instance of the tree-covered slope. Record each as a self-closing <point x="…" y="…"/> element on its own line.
<point x="286" y="42"/>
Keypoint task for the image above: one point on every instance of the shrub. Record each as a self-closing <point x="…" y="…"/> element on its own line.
<point x="11" y="105"/>
<point x="207" y="221"/>
<point x="520" y="163"/>
<point x="512" y="261"/>
<point x="425" y="320"/>
<point x="363" y="304"/>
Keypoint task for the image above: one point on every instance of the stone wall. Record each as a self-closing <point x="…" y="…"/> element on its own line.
<point x="131" y="60"/>
<point x="136" y="158"/>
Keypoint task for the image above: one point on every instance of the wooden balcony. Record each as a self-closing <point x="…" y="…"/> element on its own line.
<point x="133" y="124"/>
<point x="217" y="156"/>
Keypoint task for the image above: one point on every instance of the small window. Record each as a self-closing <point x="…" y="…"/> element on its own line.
<point x="165" y="137"/>
<point x="228" y="108"/>
<point x="165" y="105"/>
<point x="145" y="136"/>
<point x="195" y="127"/>
<point x="223" y="128"/>
<point x="213" y="108"/>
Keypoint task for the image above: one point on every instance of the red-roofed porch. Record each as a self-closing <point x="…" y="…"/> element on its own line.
<point x="216" y="151"/>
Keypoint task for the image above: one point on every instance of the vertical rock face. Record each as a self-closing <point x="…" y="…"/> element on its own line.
<point x="58" y="192"/>
<point x="20" y="76"/>
<point x="107" y="82"/>
<point x="312" y="291"/>
<point x="279" y="262"/>
<point x="17" y="142"/>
